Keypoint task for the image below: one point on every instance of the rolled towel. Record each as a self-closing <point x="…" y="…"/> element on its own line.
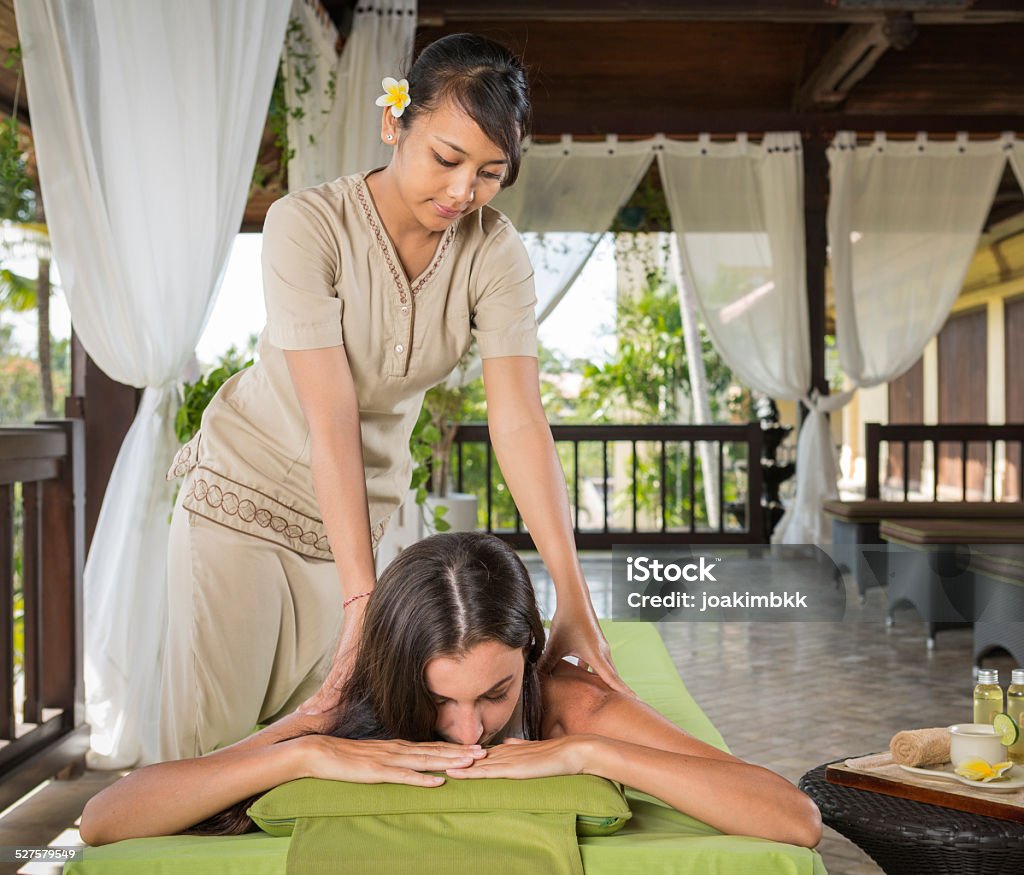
<point x="920" y="747"/>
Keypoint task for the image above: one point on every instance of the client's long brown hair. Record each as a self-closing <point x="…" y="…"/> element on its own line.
<point x="439" y="598"/>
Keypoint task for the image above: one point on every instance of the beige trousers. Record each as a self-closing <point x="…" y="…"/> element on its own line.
<point x="251" y="630"/>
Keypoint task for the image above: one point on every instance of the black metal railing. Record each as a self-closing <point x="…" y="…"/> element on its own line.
<point x="42" y="558"/>
<point x="962" y="435"/>
<point x="677" y="508"/>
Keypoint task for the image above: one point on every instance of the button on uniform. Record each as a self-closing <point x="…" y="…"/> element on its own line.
<point x="399" y="348"/>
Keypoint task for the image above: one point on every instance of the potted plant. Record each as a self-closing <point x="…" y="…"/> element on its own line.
<point x="433" y="436"/>
<point x="445" y="405"/>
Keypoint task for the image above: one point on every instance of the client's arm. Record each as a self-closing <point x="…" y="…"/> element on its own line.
<point x="591" y="729"/>
<point x="169" y="798"/>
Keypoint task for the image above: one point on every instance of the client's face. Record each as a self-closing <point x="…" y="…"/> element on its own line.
<point x="476" y="694"/>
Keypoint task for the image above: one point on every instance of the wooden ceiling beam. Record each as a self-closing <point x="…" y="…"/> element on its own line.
<point x="437" y="13"/>
<point x="851" y="59"/>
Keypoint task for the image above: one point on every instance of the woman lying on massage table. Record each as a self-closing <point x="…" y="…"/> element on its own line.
<point x="448" y="663"/>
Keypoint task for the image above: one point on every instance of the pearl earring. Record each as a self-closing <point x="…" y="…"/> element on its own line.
<point x="390" y="137"/>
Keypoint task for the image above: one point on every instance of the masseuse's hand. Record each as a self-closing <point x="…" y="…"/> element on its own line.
<point x="377" y="762"/>
<point x="576" y="632"/>
<point x="515" y="758"/>
<point x="329" y="694"/>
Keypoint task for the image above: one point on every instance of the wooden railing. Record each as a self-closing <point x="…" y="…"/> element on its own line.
<point x="965" y="435"/>
<point x="672" y="455"/>
<point x="42" y="557"/>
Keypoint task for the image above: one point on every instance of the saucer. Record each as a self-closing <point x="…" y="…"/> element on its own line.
<point x="945" y="772"/>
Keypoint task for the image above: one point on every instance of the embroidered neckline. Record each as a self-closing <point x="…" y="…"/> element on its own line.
<point x="402" y="282"/>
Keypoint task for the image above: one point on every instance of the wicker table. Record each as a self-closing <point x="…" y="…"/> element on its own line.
<point x="906" y="837"/>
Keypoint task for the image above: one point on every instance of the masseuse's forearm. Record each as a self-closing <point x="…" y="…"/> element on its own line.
<point x="327" y="395"/>
<point x="526" y="453"/>
<point x="169" y="798"/>
<point x="734" y="797"/>
<point x="340" y="484"/>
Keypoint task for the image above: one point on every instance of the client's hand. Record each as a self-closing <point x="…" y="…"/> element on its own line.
<point x="329" y="694"/>
<point x="576" y="632"/>
<point x="391" y="762"/>
<point x="515" y="758"/>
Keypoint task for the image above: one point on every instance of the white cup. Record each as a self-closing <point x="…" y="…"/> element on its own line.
<point x="974" y="741"/>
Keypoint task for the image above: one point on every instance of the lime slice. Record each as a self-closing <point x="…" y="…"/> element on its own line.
<point x="1006" y="728"/>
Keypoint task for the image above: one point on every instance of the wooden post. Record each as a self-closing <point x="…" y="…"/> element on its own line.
<point x="61" y="679"/>
<point x="816" y="241"/>
<point x="871" y="442"/>
<point x="7" y="611"/>
<point x="108" y="408"/>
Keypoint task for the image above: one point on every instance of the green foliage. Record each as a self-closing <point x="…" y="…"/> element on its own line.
<point x="679" y="511"/>
<point x="649" y="374"/>
<point x="17" y="293"/>
<point x="17" y="197"/>
<point x="425" y="435"/>
<point x="21" y="394"/>
<point x="431" y="441"/>
<point x="196" y="396"/>
<point x="277" y="124"/>
<point x="444" y="405"/>
<point x="298" y="48"/>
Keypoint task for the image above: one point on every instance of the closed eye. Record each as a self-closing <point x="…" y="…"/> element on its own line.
<point x="495" y="176"/>
<point x="500" y="697"/>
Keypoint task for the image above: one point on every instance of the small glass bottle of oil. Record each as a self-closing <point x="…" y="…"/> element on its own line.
<point x="988" y="696"/>
<point x="1015" y="710"/>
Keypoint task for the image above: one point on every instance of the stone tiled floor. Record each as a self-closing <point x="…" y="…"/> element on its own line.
<point x="785" y="695"/>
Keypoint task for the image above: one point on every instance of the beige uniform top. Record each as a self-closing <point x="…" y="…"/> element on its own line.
<point x="331" y="276"/>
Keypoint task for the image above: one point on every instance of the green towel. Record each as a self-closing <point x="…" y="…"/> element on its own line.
<point x="496" y="842"/>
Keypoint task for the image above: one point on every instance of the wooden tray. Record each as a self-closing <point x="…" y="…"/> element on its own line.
<point x="917" y="788"/>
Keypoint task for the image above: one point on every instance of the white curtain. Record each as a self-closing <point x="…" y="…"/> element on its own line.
<point x="904" y="220"/>
<point x="737" y="211"/>
<point x="574" y="186"/>
<point x="147" y="118"/>
<point x="558" y="260"/>
<point x="345" y="129"/>
<point x="310" y="68"/>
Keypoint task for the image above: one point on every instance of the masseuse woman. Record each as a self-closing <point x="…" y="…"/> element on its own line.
<point x="375" y="285"/>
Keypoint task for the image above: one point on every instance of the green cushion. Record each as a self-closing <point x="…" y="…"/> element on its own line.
<point x="599" y="805"/>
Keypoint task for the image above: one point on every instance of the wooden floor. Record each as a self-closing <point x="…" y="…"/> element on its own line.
<point x="788" y="696"/>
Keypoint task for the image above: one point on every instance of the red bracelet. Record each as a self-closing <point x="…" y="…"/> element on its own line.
<point x="353" y="598"/>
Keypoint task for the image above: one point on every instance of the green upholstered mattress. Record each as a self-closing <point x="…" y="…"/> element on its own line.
<point x="656" y="841"/>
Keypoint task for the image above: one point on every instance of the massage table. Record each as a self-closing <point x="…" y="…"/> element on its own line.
<point x="855" y="525"/>
<point x="999" y="581"/>
<point x="932" y="566"/>
<point x="657" y="840"/>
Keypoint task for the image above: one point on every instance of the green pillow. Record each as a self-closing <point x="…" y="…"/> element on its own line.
<point x="600" y="805"/>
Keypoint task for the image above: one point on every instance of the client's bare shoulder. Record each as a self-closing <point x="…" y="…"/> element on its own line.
<point x="571" y="697"/>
